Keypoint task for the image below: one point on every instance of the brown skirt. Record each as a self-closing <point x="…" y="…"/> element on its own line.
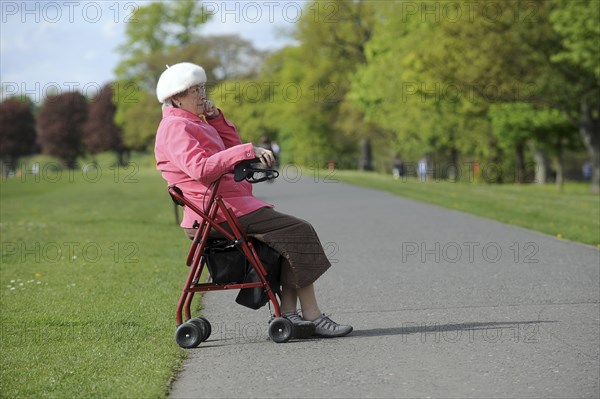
<point x="295" y="239"/>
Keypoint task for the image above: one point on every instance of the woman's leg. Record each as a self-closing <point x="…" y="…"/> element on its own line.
<point x="289" y="300"/>
<point x="308" y="302"/>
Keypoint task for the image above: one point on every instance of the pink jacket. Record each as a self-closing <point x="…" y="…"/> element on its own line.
<point x="192" y="153"/>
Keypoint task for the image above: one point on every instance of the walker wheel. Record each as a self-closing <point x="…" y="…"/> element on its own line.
<point x="189" y="335"/>
<point x="204" y="324"/>
<point x="280" y="330"/>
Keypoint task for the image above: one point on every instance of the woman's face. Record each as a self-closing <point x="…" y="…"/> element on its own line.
<point x="193" y="100"/>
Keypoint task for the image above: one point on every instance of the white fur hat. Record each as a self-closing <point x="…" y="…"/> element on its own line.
<point x="178" y="78"/>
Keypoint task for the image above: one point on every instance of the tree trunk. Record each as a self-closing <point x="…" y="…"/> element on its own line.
<point x="590" y="132"/>
<point x="558" y="165"/>
<point x="520" y="166"/>
<point x="366" y="159"/>
<point x="453" y="171"/>
<point x="541" y="164"/>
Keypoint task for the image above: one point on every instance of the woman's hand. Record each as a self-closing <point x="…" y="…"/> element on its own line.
<point x="266" y="157"/>
<point x="210" y="110"/>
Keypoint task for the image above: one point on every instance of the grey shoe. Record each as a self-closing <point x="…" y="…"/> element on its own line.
<point x="327" y="328"/>
<point x="302" y="328"/>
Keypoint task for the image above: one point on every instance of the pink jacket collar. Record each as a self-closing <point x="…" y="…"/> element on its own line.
<point x="182" y="113"/>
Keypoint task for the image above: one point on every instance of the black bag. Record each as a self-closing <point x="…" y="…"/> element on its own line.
<point x="256" y="298"/>
<point x="227" y="264"/>
<point x="225" y="261"/>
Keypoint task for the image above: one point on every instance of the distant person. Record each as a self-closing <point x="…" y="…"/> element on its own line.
<point x="422" y="169"/>
<point x="276" y="150"/>
<point x="398" y="168"/>
<point x="265" y="143"/>
<point x="586" y="170"/>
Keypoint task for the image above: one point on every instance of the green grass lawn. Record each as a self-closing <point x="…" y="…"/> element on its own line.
<point x="91" y="269"/>
<point x="573" y="214"/>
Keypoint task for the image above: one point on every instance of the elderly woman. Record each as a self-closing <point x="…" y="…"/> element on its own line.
<point x="195" y="145"/>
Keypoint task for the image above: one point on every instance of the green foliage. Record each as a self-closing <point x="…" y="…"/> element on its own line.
<point x="303" y="88"/>
<point x="431" y="78"/>
<point x="513" y="124"/>
<point x="155" y="27"/>
<point x="578" y="24"/>
<point x="516" y="124"/>
<point x="138" y="114"/>
<point x="157" y="30"/>
<point x="397" y="90"/>
<point x="406" y="76"/>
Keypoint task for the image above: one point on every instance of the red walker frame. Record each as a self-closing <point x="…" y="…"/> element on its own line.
<point x="280" y="329"/>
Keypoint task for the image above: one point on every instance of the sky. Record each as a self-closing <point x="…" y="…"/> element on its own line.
<point x="58" y="46"/>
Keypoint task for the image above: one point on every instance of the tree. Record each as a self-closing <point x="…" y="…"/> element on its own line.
<point x="100" y="131"/>
<point x="138" y="115"/>
<point x="17" y="131"/>
<point x="158" y="26"/>
<point x="577" y="23"/>
<point x="553" y="131"/>
<point x="521" y="55"/>
<point x="334" y="36"/>
<point x="60" y="126"/>
<point x="513" y="128"/>
<point x="397" y="91"/>
<point x="543" y="129"/>
<point x="304" y="86"/>
<point x="161" y="35"/>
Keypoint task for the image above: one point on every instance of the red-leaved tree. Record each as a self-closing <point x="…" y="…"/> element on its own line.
<point x="17" y="131"/>
<point x="60" y="126"/>
<point x="100" y="133"/>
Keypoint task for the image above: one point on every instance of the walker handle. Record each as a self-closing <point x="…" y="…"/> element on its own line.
<point x="246" y="169"/>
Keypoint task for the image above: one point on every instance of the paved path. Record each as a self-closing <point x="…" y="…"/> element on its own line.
<point x="443" y="305"/>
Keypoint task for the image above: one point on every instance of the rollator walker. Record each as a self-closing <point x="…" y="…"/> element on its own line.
<point x="191" y="331"/>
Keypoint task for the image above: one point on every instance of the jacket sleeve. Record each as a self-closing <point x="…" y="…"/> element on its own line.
<point x="187" y="153"/>
<point x="226" y="129"/>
